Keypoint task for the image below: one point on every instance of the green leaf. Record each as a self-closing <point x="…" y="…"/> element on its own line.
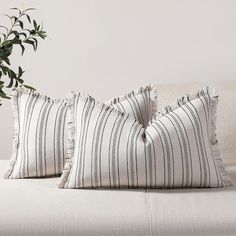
<point x="14" y="8"/>
<point x="35" y="43"/>
<point x="22" y="49"/>
<point x="14" y="18"/>
<point x="6" y="42"/>
<point x="28" y="17"/>
<point x="17" y="34"/>
<point x="5" y="52"/>
<point x="30" y="42"/>
<point x="4" y="36"/>
<point x="20" y="72"/>
<point x="16" y="40"/>
<point x="29" y="87"/>
<point x="35" y="25"/>
<point x="4" y="69"/>
<point x="28" y="30"/>
<point x="11" y="74"/>
<point x="21" y="24"/>
<point x="32" y="32"/>
<point x="11" y="83"/>
<point x="16" y="84"/>
<point x="42" y="34"/>
<point x="21" y="81"/>
<point x="3" y="95"/>
<point x="6" y="60"/>
<point x="22" y="33"/>
<point x="30" y="9"/>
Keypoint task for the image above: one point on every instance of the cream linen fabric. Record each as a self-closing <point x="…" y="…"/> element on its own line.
<point x="40" y="139"/>
<point x="35" y="207"/>
<point x="178" y="149"/>
<point x="140" y="103"/>
<point x="40" y="135"/>
<point x="226" y="111"/>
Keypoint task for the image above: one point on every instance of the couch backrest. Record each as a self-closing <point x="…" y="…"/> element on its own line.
<point x="226" y="113"/>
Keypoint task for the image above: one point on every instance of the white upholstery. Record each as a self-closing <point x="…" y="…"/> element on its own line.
<point x="36" y="207"/>
<point x="226" y="121"/>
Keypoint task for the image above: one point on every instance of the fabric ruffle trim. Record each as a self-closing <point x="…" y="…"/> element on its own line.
<point x="71" y="128"/>
<point x="140" y="90"/>
<point x="15" y="94"/>
<point x="207" y="91"/>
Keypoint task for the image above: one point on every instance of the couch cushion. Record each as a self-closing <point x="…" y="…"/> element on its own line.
<point x="36" y="207"/>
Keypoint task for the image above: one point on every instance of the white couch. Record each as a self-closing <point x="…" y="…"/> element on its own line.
<point x="33" y="207"/>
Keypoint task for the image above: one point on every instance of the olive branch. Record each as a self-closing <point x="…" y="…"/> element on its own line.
<point x="17" y="34"/>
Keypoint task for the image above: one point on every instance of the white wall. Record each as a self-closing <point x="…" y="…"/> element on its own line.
<point x="108" y="47"/>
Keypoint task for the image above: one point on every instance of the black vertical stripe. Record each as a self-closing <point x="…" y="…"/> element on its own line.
<point x="45" y="139"/>
<point x="85" y="141"/>
<point x="201" y="142"/>
<point x="37" y="138"/>
<point x="183" y="155"/>
<point x="197" y="146"/>
<point x="168" y="156"/>
<point x="40" y="140"/>
<point x="132" y="156"/>
<point x="83" y="137"/>
<point x="93" y="154"/>
<point x="170" y="147"/>
<point x="136" y="155"/>
<point x="153" y="154"/>
<point x="113" y="157"/>
<point x="99" y="156"/>
<point x="78" y="167"/>
<point x="27" y="136"/>
<point x="163" y="152"/>
<point x="186" y="146"/>
<point x="128" y="153"/>
<point x="110" y="152"/>
<point x="55" y="138"/>
<point x="118" y="149"/>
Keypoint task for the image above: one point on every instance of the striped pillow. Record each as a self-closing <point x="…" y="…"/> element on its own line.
<point x="40" y="140"/>
<point x="178" y="149"/>
<point x="140" y="103"/>
<point x="40" y="135"/>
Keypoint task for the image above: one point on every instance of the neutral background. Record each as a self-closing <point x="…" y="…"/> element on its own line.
<point x="108" y="47"/>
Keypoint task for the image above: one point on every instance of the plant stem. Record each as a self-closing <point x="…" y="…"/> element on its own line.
<point x="12" y="27"/>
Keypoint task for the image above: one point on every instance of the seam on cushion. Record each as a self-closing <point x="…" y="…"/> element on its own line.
<point x="149" y="213"/>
